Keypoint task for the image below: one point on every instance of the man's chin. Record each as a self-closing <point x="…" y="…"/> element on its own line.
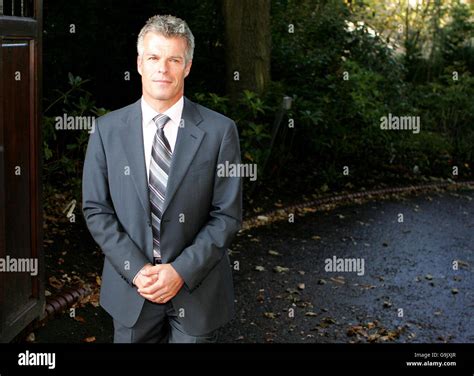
<point x="161" y="97"/>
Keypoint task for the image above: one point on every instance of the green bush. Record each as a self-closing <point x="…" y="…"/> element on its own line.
<point x="431" y="152"/>
<point x="446" y="106"/>
<point x="64" y="151"/>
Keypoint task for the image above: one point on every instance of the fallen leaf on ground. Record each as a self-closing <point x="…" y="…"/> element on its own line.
<point x="356" y="329"/>
<point x="463" y="264"/>
<point x="325" y="322"/>
<point x="94" y="299"/>
<point x="56" y="283"/>
<point x="269" y="315"/>
<point x="339" y="279"/>
<point x="373" y="337"/>
<point x="329" y="320"/>
<point x="80" y="319"/>
<point x="366" y="287"/>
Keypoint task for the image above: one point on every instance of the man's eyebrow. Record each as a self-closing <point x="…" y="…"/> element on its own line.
<point x="169" y="57"/>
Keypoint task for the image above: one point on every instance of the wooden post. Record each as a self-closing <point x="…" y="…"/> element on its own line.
<point x="21" y="291"/>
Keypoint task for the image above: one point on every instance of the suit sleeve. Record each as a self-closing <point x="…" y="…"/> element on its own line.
<point x="211" y="243"/>
<point x="100" y="215"/>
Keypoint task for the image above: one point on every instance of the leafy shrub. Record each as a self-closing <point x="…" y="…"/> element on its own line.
<point x="64" y="151"/>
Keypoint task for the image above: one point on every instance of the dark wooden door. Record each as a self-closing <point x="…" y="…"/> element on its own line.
<point x="21" y="258"/>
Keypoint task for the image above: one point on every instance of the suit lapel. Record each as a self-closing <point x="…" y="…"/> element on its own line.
<point x="187" y="144"/>
<point x="132" y="143"/>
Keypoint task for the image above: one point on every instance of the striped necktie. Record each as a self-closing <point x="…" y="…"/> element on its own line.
<point x="158" y="178"/>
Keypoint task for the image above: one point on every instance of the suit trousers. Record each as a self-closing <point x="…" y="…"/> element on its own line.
<point x="158" y="323"/>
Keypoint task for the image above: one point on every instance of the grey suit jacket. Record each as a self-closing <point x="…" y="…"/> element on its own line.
<point x="202" y="213"/>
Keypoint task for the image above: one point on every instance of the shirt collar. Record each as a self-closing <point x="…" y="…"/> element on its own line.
<point x="175" y="112"/>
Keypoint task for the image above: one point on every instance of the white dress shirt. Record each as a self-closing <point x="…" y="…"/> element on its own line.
<point x="175" y="113"/>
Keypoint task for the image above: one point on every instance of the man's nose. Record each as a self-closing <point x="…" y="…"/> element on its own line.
<point x="162" y="66"/>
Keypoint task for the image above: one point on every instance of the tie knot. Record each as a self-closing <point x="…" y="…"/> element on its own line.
<point x="160" y="120"/>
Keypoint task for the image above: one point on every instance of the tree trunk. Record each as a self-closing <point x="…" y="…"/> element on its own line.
<point x="248" y="45"/>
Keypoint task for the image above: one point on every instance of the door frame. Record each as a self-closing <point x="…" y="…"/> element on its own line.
<point x="21" y="28"/>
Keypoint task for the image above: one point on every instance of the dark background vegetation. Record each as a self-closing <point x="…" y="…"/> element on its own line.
<point x="400" y="57"/>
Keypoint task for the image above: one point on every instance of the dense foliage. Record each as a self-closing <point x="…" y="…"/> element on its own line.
<point x="345" y="65"/>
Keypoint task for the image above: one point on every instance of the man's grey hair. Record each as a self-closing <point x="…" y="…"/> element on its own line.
<point x="168" y="26"/>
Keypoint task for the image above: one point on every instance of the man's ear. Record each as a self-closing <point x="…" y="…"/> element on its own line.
<point x="139" y="64"/>
<point x="187" y="69"/>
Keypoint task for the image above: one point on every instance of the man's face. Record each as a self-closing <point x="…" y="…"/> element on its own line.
<point x="163" y="69"/>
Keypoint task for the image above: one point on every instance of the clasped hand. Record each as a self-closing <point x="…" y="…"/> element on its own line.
<point x="159" y="283"/>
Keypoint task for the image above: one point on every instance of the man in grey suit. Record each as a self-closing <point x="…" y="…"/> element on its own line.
<point x="154" y="204"/>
